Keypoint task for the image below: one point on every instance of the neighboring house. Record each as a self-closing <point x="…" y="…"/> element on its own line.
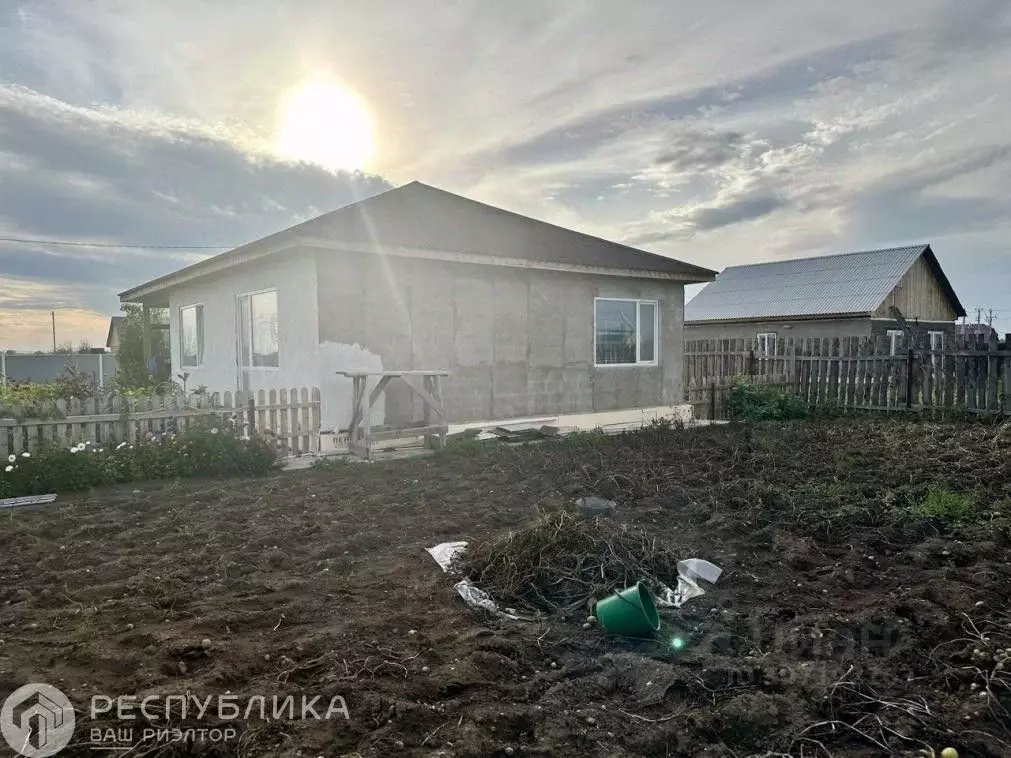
<point x="529" y="318"/>
<point x="978" y="332"/>
<point x="849" y="295"/>
<point x="112" y="339"/>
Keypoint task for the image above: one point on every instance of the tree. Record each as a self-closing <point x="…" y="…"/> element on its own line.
<point x="84" y="346"/>
<point x="132" y="370"/>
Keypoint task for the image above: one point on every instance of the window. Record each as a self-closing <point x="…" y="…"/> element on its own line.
<point x="936" y="342"/>
<point x="258" y="343"/>
<point x="191" y="335"/>
<point x="895" y="341"/>
<point x="625" y="332"/>
<point x="767" y="343"/>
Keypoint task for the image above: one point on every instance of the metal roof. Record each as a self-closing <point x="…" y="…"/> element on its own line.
<point x="423" y="217"/>
<point x="831" y="285"/>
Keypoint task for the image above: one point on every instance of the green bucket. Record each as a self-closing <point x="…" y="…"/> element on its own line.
<point x="629" y="613"/>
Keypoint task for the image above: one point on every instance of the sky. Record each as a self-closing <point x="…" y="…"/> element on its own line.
<point x="718" y="133"/>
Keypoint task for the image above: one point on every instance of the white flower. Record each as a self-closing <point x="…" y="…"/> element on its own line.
<point x="214" y="430"/>
<point x="101" y="449"/>
<point x="74" y="449"/>
<point x="26" y="455"/>
<point x="11" y="458"/>
<point x="121" y="445"/>
<point x="9" y="469"/>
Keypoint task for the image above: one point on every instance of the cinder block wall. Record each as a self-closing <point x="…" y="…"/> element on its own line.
<point x="518" y="342"/>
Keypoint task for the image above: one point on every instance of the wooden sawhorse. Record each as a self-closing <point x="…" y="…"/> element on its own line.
<point x="430" y="391"/>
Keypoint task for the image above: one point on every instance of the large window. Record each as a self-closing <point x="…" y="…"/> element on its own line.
<point x="258" y="342"/>
<point x="191" y="335"/>
<point x="625" y="332"/>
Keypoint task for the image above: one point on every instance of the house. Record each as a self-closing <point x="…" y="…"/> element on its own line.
<point x="859" y="294"/>
<point x="112" y="338"/>
<point x="975" y="332"/>
<point x="529" y="318"/>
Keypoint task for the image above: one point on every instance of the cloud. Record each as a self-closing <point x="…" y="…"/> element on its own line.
<point x="699" y="149"/>
<point x="111" y="176"/>
<point x="712" y="132"/>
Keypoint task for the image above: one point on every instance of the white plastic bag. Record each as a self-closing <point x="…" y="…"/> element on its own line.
<point x="690" y="571"/>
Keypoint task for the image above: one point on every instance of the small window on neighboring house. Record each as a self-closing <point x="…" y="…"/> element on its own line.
<point x="191" y="335"/>
<point x="767" y="343"/>
<point x="895" y="341"/>
<point x="625" y="332"/>
<point x="936" y="342"/>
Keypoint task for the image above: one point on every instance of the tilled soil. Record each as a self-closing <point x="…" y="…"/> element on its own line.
<point x="850" y="621"/>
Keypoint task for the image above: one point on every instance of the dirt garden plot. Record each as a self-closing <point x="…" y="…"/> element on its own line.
<point x="863" y="609"/>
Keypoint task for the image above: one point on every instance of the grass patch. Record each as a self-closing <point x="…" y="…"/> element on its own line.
<point x="943" y="503"/>
<point x="330" y="463"/>
<point x="755" y="402"/>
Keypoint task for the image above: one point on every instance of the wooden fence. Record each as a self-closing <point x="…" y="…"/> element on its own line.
<point x="291" y="417"/>
<point x="854" y="373"/>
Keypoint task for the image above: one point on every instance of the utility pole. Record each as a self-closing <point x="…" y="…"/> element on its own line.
<point x="53" y="314"/>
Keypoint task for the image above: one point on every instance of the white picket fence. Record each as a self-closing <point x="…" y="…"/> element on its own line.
<point x="291" y="417"/>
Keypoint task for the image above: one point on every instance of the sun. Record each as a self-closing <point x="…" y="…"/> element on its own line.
<point x="326" y="124"/>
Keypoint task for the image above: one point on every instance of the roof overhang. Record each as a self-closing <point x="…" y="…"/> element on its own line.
<point x="155" y="291"/>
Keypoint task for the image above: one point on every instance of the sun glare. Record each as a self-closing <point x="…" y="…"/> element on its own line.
<point x="325" y="124"/>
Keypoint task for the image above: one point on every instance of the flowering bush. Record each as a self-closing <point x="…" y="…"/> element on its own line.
<point x="204" y="449"/>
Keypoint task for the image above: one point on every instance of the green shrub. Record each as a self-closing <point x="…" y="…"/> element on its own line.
<point x="465" y="444"/>
<point x="754" y="402"/>
<point x="942" y="503"/>
<point x="203" y="450"/>
<point x="36" y="399"/>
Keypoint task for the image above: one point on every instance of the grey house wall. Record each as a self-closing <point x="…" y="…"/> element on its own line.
<point x="23" y="367"/>
<point x="807" y="329"/>
<point x="881" y="326"/>
<point x="518" y="342"/>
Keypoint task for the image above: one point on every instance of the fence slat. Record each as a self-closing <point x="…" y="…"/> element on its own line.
<point x="108" y="420"/>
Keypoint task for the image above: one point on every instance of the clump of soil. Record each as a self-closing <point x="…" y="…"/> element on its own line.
<point x="563" y="562"/>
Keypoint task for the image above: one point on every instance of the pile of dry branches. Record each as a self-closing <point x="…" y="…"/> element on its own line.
<point x="561" y="563"/>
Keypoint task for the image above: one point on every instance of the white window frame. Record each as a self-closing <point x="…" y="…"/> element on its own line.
<point x="940" y="341"/>
<point x="763" y="344"/>
<point x="239" y="335"/>
<point x="895" y="338"/>
<point x="639" y="302"/>
<point x="200" y="335"/>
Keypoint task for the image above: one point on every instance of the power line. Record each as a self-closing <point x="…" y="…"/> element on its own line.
<point x="65" y="243"/>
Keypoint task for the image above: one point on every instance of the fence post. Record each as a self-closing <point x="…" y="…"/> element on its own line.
<point x="712" y="403"/>
<point x="992" y="401"/>
<point x="909" y="379"/>
<point x="251" y="414"/>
